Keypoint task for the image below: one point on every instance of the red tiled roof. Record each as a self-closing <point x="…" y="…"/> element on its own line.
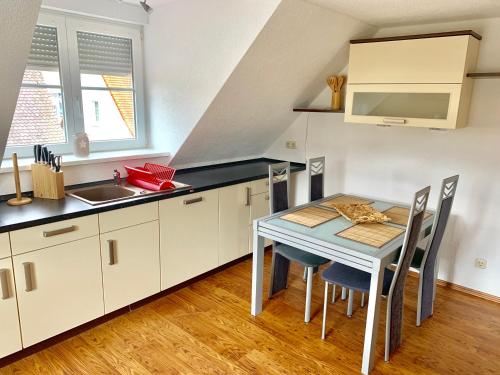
<point x="124" y="100"/>
<point x="36" y="119"/>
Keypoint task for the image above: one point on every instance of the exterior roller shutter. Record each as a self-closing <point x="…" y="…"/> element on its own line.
<point x="44" y="54"/>
<point x="103" y="54"/>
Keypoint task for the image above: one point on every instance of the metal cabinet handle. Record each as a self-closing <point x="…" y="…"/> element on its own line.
<point x="395" y="121"/>
<point x="28" y="276"/>
<point x="112" y="252"/>
<point x="249" y="196"/>
<point x="4" y="283"/>
<point x="55" y="232"/>
<point x="191" y="201"/>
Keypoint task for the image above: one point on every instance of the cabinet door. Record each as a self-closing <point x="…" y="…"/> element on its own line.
<point x="434" y="106"/>
<point x="130" y="264"/>
<point x="58" y="288"/>
<point x="234" y="217"/>
<point x="189" y="231"/>
<point x="428" y="60"/>
<point x="10" y="337"/>
<point x="259" y="208"/>
<point x="4" y="245"/>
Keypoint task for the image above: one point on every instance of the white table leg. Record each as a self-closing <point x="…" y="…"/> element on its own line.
<point x="257" y="272"/>
<point x="307" y="314"/>
<point x="372" y="317"/>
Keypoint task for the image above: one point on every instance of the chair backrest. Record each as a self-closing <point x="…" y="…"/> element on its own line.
<point x="428" y="267"/>
<point x="448" y="190"/>
<point x="396" y="291"/>
<point x="316" y="168"/>
<point x="279" y="186"/>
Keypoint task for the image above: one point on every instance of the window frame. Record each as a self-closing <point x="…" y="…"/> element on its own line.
<point x="69" y="72"/>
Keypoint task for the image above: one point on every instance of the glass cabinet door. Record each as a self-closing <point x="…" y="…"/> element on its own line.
<point x="403" y="104"/>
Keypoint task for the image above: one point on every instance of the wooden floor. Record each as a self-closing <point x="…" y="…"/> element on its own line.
<point x="206" y="328"/>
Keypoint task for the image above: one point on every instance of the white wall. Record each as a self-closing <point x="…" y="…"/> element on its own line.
<point x="17" y="22"/>
<point x="394" y="162"/>
<point x="191" y="48"/>
<point x="285" y="66"/>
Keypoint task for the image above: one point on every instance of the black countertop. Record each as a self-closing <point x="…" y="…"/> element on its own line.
<point x="43" y="211"/>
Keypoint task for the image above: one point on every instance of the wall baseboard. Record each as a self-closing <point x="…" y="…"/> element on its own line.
<point x="462" y="289"/>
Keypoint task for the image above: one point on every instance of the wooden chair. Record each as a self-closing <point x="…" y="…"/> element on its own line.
<point x="279" y="190"/>
<point x="394" y="281"/>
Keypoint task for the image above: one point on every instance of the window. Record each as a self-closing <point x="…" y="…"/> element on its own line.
<point x="106" y="79"/>
<point x="39" y="115"/>
<point x="81" y="76"/>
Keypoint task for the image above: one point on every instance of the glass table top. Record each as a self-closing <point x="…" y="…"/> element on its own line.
<point x="327" y="231"/>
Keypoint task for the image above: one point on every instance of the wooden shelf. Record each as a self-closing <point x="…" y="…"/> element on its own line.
<point x="318" y="110"/>
<point x="484" y="75"/>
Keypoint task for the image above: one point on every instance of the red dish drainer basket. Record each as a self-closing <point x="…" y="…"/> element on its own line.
<point x="151" y="176"/>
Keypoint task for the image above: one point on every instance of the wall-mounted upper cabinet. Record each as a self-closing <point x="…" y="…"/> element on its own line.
<point x="417" y="80"/>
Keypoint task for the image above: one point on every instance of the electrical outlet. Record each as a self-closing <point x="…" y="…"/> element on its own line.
<point x="481" y="263"/>
<point x="292" y="145"/>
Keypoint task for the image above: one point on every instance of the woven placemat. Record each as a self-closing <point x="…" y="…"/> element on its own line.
<point x="400" y="215"/>
<point x="310" y="216"/>
<point x="345" y="199"/>
<point x="376" y="235"/>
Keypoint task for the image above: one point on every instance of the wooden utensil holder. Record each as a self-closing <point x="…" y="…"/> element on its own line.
<point x="47" y="184"/>
<point x="336" y="100"/>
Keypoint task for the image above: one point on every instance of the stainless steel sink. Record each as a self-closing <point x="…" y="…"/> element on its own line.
<point x="107" y="193"/>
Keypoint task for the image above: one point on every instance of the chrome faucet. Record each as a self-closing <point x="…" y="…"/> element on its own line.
<point x="117" y="177"/>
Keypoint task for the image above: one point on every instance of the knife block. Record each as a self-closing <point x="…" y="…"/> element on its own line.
<point x="47" y="184"/>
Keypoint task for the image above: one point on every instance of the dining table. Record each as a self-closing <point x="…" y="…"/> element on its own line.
<point x="324" y="240"/>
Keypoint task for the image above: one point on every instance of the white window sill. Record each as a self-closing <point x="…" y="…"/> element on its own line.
<point x="93" y="158"/>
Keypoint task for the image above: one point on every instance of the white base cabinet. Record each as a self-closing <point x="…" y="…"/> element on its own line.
<point x="189" y="237"/>
<point x="58" y="288"/>
<point x="130" y="264"/>
<point x="10" y="335"/>
<point x="234" y="218"/>
<point x="71" y="272"/>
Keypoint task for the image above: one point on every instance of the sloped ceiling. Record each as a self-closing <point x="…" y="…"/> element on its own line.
<point x="404" y="12"/>
<point x="286" y="65"/>
<point x="17" y="22"/>
<point x="190" y="49"/>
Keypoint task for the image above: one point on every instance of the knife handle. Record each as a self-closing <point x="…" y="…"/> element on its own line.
<point x="39" y="153"/>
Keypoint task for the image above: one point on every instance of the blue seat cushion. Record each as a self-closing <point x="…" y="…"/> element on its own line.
<point x="299" y="256"/>
<point x="352" y="278"/>
<point x="416" y="262"/>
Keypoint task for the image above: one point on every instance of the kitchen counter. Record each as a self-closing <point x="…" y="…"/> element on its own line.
<point x="43" y="211"/>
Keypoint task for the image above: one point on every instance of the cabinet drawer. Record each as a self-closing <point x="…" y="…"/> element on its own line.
<point x="4" y="245"/>
<point x="42" y="236"/>
<point x="259" y="186"/>
<point x="126" y="217"/>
